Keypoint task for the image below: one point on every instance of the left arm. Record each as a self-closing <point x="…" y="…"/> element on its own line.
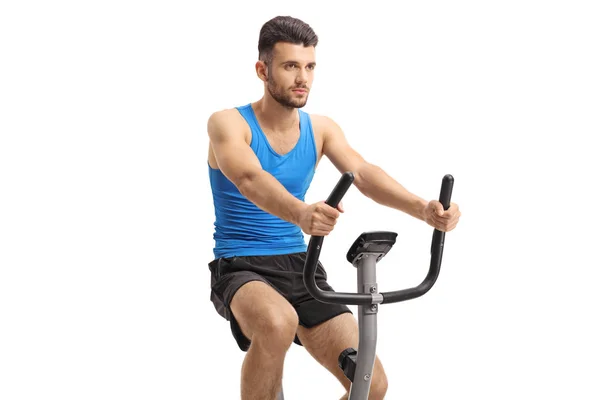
<point x="375" y="183"/>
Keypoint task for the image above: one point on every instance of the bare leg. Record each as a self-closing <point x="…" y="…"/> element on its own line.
<point x="325" y="342"/>
<point x="270" y="322"/>
<point x="262" y="371"/>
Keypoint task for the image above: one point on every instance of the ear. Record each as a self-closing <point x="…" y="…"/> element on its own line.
<point x="261" y="70"/>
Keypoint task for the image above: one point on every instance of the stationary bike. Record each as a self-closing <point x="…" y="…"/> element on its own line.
<point x="368" y="249"/>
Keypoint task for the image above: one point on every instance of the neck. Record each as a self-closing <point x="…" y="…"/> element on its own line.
<point x="275" y="117"/>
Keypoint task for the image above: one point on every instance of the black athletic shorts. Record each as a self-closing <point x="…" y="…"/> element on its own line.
<point x="281" y="272"/>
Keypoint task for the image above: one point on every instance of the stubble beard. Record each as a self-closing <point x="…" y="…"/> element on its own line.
<point x="285" y="99"/>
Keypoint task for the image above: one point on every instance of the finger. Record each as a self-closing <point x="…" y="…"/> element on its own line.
<point x="321" y="232"/>
<point x="328" y="221"/>
<point x="438" y="208"/>
<point x="449" y="214"/>
<point x="438" y="220"/>
<point x="443" y="226"/>
<point x="453" y="212"/>
<point x="454" y="208"/>
<point x="449" y="225"/>
<point x="340" y="207"/>
<point x="329" y="211"/>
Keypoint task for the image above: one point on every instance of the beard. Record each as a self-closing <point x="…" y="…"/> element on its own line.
<point x="284" y="98"/>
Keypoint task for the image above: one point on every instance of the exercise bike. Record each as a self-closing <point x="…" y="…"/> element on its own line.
<point x="364" y="254"/>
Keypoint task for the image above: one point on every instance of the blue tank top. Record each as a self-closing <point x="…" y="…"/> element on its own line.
<point x="243" y="229"/>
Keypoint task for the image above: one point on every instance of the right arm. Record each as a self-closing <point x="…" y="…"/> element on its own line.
<point x="239" y="164"/>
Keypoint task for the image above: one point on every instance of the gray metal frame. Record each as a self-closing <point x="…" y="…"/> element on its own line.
<point x="367" y="326"/>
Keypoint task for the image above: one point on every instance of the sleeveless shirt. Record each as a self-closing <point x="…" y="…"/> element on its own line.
<point x="240" y="227"/>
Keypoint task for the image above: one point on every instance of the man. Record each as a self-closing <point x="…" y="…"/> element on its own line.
<point x="262" y="158"/>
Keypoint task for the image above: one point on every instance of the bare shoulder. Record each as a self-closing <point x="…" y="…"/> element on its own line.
<point x="322" y="122"/>
<point x="325" y="126"/>
<point x="227" y="130"/>
<point x="227" y="123"/>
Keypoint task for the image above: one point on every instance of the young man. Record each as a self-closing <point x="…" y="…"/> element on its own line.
<point x="262" y="158"/>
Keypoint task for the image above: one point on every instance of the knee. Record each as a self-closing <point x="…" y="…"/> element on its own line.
<point x="277" y="329"/>
<point x="379" y="382"/>
<point x="379" y="385"/>
<point x="379" y="388"/>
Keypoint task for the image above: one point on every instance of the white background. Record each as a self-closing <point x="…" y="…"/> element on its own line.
<point x="106" y="213"/>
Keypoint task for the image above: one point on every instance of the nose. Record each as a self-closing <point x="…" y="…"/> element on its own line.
<point x="302" y="76"/>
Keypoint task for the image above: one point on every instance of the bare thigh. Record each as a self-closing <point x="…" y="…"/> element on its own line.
<point x="326" y="341"/>
<point x="258" y="307"/>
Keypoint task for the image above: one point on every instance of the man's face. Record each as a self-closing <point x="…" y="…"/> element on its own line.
<point x="290" y="74"/>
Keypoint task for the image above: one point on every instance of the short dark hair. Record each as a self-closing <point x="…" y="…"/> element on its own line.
<point x="284" y="29"/>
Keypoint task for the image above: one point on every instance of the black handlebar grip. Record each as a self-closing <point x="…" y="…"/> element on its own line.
<point x="445" y="195"/>
<point x="437" y="250"/>
<point x="340" y="189"/>
<point x="446" y="191"/>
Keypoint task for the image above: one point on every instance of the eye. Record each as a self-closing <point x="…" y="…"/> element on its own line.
<point x="311" y="67"/>
<point x="290" y="66"/>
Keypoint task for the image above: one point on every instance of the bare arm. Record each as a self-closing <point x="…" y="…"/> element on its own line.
<point x="240" y="165"/>
<point x="376" y="184"/>
<point x="382" y="188"/>
<point x="370" y="180"/>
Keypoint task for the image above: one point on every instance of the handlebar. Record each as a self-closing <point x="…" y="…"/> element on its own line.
<point x="316" y="243"/>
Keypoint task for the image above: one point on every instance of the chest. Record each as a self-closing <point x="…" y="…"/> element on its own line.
<point x="283" y="143"/>
<point x="286" y="142"/>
